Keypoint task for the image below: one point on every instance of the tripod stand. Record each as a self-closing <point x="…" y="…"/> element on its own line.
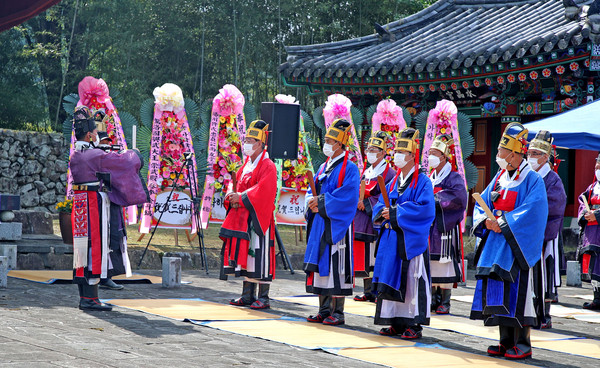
<point x="282" y="252"/>
<point x="195" y="207"/>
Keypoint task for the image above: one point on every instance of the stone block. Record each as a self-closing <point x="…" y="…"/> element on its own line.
<point x="11" y="230"/>
<point x="35" y="222"/>
<point x="10" y="252"/>
<point x="573" y="273"/>
<point x="171" y="272"/>
<point x="3" y="271"/>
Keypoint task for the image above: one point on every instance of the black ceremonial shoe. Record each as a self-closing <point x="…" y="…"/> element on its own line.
<point x="110" y="284"/>
<point x="93" y="305"/>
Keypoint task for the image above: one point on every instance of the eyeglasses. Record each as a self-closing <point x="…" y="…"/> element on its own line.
<point x="535" y="154"/>
<point x="373" y="150"/>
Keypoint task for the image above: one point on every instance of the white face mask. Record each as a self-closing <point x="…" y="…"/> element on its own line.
<point x="534" y="162"/>
<point x="96" y="141"/>
<point x="434" y="161"/>
<point x="328" y="149"/>
<point x="247" y="149"/>
<point x="400" y="160"/>
<point x="502" y="162"/>
<point x="598" y="175"/>
<point x="371" y="157"/>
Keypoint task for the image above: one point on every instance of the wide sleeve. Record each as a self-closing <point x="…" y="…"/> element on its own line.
<point x="582" y="209"/>
<point x="414" y="217"/>
<point x="523" y="227"/>
<point x="450" y="203"/>
<point x="126" y="186"/>
<point x="479" y="215"/>
<point x="259" y="199"/>
<point x="557" y="200"/>
<point x="337" y="207"/>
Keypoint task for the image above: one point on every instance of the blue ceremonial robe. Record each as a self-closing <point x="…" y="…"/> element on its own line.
<point x="404" y="236"/>
<point x="332" y="226"/>
<point x="504" y="290"/>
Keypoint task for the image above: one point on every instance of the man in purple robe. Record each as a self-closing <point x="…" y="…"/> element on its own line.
<point x="540" y="150"/>
<point x="445" y="236"/>
<point x="364" y="234"/>
<point x="103" y="182"/>
<point x="589" y="248"/>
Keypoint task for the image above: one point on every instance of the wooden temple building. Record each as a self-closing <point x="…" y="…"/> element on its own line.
<point x="499" y="60"/>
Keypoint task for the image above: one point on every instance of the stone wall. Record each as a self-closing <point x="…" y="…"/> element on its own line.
<point x="33" y="166"/>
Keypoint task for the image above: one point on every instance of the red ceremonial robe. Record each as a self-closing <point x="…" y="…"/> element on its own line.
<point x="254" y="218"/>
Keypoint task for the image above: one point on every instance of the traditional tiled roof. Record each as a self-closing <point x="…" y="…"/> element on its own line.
<point x="450" y="35"/>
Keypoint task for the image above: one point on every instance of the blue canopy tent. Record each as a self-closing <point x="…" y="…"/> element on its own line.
<point x="574" y="129"/>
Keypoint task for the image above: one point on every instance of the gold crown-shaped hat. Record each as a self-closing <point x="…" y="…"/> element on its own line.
<point x="542" y="142"/>
<point x="340" y="130"/>
<point x="258" y="130"/>
<point x="443" y="143"/>
<point x="516" y="141"/>
<point x="378" y="139"/>
<point x="408" y="140"/>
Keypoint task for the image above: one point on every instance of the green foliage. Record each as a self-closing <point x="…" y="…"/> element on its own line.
<point x="318" y="118"/>
<point x="249" y="114"/>
<point x="147" y="112"/>
<point x="192" y="111"/>
<point x="127" y="122"/>
<point x="70" y="103"/>
<point x="308" y="122"/>
<point x="471" y="174"/>
<point x="357" y="119"/>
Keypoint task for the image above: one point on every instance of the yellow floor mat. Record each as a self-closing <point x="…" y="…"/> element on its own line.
<point x="52" y="276"/>
<point x="191" y="309"/>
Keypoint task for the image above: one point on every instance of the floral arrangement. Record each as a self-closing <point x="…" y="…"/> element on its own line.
<point x="388" y="118"/>
<point x="294" y="172"/>
<point x="339" y="106"/>
<point x="169" y="97"/>
<point x="229" y="104"/>
<point x="65" y="206"/>
<point x="444" y="115"/>
<point x="228" y="158"/>
<point x="94" y="94"/>
<point x="171" y="152"/>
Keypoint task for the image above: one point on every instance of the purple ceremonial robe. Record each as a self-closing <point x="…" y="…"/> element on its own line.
<point x="589" y="247"/>
<point x="450" y="204"/>
<point x="126" y="186"/>
<point x="363" y="224"/>
<point x="557" y="200"/>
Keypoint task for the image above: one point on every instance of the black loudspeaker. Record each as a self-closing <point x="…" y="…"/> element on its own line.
<point x="284" y="128"/>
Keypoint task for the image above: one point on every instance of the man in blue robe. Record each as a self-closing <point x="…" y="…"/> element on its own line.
<point x="511" y="244"/>
<point x="401" y="277"/>
<point x="328" y="258"/>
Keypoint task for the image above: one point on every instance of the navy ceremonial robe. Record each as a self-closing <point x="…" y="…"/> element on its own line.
<point x="504" y="291"/>
<point x="401" y="277"/>
<point x="328" y="258"/>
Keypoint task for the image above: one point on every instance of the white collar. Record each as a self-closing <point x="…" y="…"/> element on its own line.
<point x="545" y="170"/>
<point x="506" y="181"/>
<point x="83" y="145"/>
<point x="373" y="172"/>
<point x="403" y="179"/>
<point x="596" y="188"/>
<point x="251" y="165"/>
<point x="438" y="178"/>
<point x="334" y="160"/>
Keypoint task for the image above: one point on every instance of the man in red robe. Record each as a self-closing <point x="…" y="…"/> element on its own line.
<point x="248" y="231"/>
